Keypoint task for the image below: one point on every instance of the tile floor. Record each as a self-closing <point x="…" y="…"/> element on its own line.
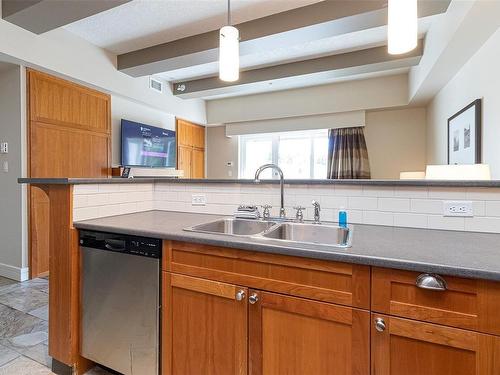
<point x="24" y="328"/>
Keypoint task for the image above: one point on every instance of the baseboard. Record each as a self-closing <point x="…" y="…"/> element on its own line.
<point x="14" y="273"/>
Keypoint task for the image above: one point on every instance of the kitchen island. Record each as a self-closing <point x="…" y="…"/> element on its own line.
<point x="364" y="296"/>
<point x="238" y="301"/>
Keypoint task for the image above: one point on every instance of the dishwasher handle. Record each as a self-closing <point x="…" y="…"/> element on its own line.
<point x="115" y="245"/>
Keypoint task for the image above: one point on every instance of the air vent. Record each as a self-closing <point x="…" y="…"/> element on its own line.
<point x="155" y="85"/>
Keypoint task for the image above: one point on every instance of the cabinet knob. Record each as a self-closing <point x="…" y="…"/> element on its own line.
<point x="240" y="295"/>
<point x="253" y="299"/>
<point x="380" y="324"/>
<point x="431" y="282"/>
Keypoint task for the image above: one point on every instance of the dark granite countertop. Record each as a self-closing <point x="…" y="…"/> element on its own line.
<point x="119" y="180"/>
<point x="466" y="254"/>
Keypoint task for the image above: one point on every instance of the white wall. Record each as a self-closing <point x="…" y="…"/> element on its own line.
<point x="123" y="108"/>
<point x="382" y="92"/>
<point x="396" y="141"/>
<point x="64" y="54"/>
<point x="13" y="228"/>
<point x="479" y="78"/>
<point x="220" y="150"/>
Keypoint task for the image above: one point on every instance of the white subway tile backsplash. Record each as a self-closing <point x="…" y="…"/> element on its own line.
<point x="402" y="219"/>
<point x="378" y="191"/>
<point x="378" y="218"/>
<point x="419" y="207"/>
<point x="483" y="194"/>
<point x="426" y="206"/>
<point x="85" y="189"/>
<point x="347" y="190"/>
<point x="394" y="204"/>
<point x="353" y="216"/>
<point x="84" y="213"/>
<point x="80" y="201"/>
<point x="447" y="223"/>
<point x="109" y="188"/>
<point x="411" y="192"/>
<point x="97" y="199"/>
<point x="482" y="224"/>
<point x="332" y="201"/>
<point x="492" y="208"/>
<point x="447" y="193"/>
<point x="362" y="203"/>
<point x="117" y="198"/>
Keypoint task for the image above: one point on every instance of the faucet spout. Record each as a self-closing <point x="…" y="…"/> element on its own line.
<point x="282" y="188"/>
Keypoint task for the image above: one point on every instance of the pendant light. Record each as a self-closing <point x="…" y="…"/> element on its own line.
<point x="402" y="28"/>
<point x="229" y="50"/>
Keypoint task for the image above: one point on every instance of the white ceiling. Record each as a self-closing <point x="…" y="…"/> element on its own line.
<point x="337" y="44"/>
<point x="144" y="23"/>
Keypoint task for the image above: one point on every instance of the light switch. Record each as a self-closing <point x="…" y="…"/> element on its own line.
<point x="5" y="166"/>
<point x="4" y="148"/>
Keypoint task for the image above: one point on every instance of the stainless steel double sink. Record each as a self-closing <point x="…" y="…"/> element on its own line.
<point x="285" y="231"/>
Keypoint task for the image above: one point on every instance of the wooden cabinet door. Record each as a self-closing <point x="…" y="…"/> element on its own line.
<point x="417" y="348"/>
<point x="198" y="140"/>
<point x="198" y="164"/>
<point x="295" y="336"/>
<point x="184" y="133"/>
<point x="204" y="327"/>
<point x="184" y="160"/>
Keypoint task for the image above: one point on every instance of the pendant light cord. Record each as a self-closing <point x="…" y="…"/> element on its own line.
<point x="229" y="12"/>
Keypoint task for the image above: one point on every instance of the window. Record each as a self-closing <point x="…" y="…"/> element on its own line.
<point x="300" y="154"/>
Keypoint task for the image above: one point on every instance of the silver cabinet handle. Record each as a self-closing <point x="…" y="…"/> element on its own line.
<point x="431" y="282"/>
<point x="253" y="299"/>
<point x="240" y="295"/>
<point x="380" y="324"/>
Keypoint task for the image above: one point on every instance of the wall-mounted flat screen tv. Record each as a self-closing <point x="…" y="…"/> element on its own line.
<point x="147" y="146"/>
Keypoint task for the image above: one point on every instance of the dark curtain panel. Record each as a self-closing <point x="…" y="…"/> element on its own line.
<point x="347" y="154"/>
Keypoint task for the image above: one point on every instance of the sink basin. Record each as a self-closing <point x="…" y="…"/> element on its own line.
<point x="232" y="226"/>
<point x="321" y="234"/>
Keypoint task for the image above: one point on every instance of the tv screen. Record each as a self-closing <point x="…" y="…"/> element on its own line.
<point x="147" y="146"/>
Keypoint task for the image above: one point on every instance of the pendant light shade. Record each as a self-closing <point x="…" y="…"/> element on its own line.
<point x="403" y="26"/>
<point x="229" y="54"/>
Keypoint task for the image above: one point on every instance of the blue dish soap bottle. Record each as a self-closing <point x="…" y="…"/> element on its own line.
<point x="342" y="218"/>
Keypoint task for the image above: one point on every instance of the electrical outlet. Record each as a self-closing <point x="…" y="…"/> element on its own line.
<point x="198" y="200"/>
<point x="4" y="148"/>
<point x="458" y="208"/>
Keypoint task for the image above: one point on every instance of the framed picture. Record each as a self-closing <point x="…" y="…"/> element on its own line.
<point x="464" y="135"/>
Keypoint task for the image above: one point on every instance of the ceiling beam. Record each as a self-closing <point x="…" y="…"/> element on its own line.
<point x="309" y="23"/>
<point x="313" y="71"/>
<point x="39" y="16"/>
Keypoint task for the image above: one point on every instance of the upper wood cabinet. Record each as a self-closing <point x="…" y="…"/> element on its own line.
<point x="185" y="160"/>
<point x="401" y="346"/>
<point x="69" y="136"/>
<point x="60" y="102"/>
<point x="189" y="134"/>
<point x="204" y="327"/>
<point x="466" y="303"/>
<point x="296" y="336"/>
<point x="190" y="149"/>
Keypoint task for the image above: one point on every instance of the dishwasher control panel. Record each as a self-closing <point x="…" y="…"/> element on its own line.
<point x="121" y="243"/>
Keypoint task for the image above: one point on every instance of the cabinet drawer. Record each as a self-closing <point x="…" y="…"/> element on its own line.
<point x="465" y="303"/>
<point x="340" y="283"/>
<point x="401" y="346"/>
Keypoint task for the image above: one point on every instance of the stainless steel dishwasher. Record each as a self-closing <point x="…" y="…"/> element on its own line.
<point x="121" y="301"/>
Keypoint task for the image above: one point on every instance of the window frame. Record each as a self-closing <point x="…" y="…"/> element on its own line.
<point x="275" y="137"/>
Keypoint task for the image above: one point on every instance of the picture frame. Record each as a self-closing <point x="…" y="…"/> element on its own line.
<point x="464" y="135"/>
